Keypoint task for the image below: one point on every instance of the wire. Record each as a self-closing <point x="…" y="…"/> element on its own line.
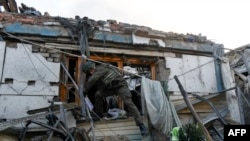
<point x="193" y="69"/>
<point x="70" y="54"/>
<point x="40" y="77"/>
<point x="50" y="71"/>
<point x="26" y="41"/>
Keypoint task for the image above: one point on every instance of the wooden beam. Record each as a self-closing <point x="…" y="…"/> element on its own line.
<point x="133" y="51"/>
<point x="152" y="67"/>
<point x="191" y="108"/>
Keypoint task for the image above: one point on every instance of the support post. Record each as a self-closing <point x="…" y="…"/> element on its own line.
<point x="191" y="108"/>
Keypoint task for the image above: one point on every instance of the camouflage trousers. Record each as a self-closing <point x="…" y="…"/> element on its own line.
<point x="122" y="92"/>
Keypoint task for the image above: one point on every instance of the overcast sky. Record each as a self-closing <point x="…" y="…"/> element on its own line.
<point x="225" y="22"/>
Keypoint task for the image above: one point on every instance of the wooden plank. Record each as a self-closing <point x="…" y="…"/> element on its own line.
<point x="124" y="127"/>
<point x="131" y="138"/>
<point x="67" y="106"/>
<point x="117" y="132"/>
<point x="111" y="123"/>
<point x="106" y="127"/>
<point x="116" y="138"/>
<point x="132" y="51"/>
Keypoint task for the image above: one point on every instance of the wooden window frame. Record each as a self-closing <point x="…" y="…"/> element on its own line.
<point x="120" y="61"/>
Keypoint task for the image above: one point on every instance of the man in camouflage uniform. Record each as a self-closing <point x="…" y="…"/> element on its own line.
<point x="110" y="82"/>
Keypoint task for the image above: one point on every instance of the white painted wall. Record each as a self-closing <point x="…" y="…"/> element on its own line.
<point x="17" y="106"/>
<point x="196" y="73"/>
<point x="23" y="66"/>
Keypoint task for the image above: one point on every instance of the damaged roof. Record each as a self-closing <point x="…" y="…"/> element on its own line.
<point x="109" y="31"/>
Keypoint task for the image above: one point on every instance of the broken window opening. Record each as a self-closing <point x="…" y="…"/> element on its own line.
<point x="11" y="44"/>
<point x="9" y="80"/>
<point x="72" y="69"/>
<point x="71" y="95"/>
<point x="53" y="83"/>
<point x="31" y="82"/>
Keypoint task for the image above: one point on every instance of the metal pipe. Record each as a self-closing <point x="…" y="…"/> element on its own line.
<point x="65" y="69"/>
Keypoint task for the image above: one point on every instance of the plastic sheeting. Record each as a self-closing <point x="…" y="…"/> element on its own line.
<point x="162" y="115"/>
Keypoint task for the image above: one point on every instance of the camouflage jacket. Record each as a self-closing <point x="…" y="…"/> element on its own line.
<point x="105" y="77"/>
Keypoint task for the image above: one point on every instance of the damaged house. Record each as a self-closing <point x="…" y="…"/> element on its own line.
<point x="41" y="59"/>
<point x="239" y="63"/>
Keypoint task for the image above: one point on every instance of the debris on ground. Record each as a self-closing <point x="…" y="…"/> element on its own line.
<point x="116" y="138"/>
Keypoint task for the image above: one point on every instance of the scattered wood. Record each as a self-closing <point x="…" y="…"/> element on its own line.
<point x="116" y="138"/>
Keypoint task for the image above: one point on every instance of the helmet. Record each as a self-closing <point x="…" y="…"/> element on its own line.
<point x="87" y="66"/>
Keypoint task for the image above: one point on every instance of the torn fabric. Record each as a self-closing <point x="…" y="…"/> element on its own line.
<point x="160" y="111"/>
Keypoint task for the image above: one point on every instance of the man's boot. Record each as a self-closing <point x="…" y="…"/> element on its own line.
<point x="143" y="129"/>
